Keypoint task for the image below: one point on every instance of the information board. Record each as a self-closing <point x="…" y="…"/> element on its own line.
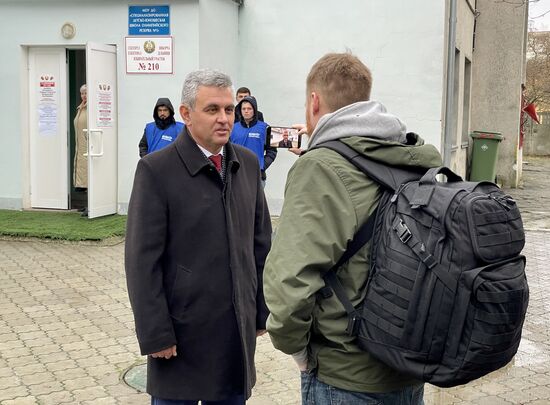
<point x="148" y="20"/>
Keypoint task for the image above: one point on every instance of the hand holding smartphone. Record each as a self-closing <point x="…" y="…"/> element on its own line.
<point x="283" y="137"/>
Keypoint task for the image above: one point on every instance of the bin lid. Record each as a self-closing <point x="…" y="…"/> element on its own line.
<point x="487" y="135"/>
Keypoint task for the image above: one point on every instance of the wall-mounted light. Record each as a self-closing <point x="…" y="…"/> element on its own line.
<point x="68" y="30"/>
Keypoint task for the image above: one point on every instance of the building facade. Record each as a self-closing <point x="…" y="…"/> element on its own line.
<point x="445" y="68"/>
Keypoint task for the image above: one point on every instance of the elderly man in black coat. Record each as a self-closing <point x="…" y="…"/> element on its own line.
<point x="198" y="234"/>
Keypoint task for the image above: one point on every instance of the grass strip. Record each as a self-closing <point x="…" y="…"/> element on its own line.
<point x="60" y="225"/>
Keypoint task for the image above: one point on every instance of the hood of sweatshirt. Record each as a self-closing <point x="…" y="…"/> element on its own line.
<point x="164" y="123"/>
<point x="364" y="118"/>
<point x="369" y="129"/>
<point x="251" y="100"/>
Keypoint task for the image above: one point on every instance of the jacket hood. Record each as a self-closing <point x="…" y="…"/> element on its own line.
<point x="162" y="124"/>
<point x="365" y="118"/>
<point x="251" y="100"/>
<point x="414" y="153"/>
<point x="369" y="129"/>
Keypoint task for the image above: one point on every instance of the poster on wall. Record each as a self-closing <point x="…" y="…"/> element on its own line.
<point x="104" y="105"/>
<point x="47" y="105"/>
<point x="149" y="55"/>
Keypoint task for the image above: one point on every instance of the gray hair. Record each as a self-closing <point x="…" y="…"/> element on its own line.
<point x="202" y="77"/>
<point x="83" y="87"/>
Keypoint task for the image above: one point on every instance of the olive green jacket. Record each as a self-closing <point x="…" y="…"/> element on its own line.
<point x="326" y="201"/>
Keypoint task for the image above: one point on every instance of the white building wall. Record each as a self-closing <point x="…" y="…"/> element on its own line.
<point x="205" y="35"/>
<point x="463" y="56"/>
<point x="265" y="45"/>
<point x="219" y="27"/>
<point x="401" y="41"/>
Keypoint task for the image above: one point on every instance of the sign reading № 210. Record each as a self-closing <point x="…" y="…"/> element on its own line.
<point x="148" y="20"/>
<point x="149" y="55"/>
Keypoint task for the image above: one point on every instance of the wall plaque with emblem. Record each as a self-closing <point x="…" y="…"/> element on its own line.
<point x="149" y="55"/>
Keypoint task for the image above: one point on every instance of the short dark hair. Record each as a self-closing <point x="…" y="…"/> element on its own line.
<point x="341" y="78"/>
<point x="243" y="90"/>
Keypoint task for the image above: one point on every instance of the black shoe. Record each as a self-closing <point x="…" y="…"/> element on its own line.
<point x="84" y="212"/>
<point x="82" y="209"/>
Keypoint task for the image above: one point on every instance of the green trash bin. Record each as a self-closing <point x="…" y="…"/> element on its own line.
<point x="484" y="155"/>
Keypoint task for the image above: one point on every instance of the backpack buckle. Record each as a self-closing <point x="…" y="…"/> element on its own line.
<point x="353" y="325"/>
<point x="403" y="231"/>
<point x="325" y="292"/>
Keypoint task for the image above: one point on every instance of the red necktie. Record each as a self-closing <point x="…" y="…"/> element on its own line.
<point x="217" y="160"/>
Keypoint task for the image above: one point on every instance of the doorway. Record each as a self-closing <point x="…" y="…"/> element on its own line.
<point x="76" y="65"/>
<point x="55" y="76"/>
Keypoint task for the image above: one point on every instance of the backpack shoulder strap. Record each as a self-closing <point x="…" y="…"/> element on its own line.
<point x="379" y="173"/>
<point x="390" y="177"/>
<point x="363" y="235"/>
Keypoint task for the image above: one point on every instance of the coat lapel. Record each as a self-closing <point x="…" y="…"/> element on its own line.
<point x="189" y="153"/>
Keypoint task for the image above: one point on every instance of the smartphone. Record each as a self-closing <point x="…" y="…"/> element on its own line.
<point x="283" y="137"/>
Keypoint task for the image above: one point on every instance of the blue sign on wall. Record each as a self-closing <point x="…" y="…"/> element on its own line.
<point x="148" y="20"/>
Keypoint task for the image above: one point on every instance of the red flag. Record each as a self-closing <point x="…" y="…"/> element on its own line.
<point x="531" y="110"/>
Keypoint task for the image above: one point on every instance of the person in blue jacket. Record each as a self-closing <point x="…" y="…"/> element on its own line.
<point x="161" y="132"/>
<point x="251" y="133"/>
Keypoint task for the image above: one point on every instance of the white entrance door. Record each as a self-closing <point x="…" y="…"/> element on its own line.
<point x="101" y="79"/>
<point x="49" y="170"/>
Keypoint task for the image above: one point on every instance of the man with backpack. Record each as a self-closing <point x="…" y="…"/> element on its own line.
<point x="327" y="199"/>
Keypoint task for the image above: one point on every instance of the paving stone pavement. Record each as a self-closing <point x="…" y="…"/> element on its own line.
<point x="67" y="333"/>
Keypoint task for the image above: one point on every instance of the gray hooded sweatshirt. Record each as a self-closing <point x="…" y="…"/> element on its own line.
<point x="364" y="118"/>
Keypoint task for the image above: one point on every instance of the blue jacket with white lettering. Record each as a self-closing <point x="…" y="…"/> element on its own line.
<point x="159" y="138"/>
<point x="161" y="132"/>
<point x="252" y="135"/>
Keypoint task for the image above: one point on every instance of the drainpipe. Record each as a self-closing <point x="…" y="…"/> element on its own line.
<point x="449" y="98"/>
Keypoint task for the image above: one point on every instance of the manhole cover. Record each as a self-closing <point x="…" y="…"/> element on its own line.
<point x="136" y="377"/>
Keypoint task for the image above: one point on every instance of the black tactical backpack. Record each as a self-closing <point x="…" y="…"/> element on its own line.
<point x="446" y="293"/>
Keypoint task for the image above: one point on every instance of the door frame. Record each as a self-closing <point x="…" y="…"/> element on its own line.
<point x="24" y="98"/>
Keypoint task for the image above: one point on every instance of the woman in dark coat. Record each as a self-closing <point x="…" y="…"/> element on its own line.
<point x="195" y="249"/>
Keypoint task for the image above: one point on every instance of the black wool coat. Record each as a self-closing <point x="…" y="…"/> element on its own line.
<point x="195" y="251"/>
